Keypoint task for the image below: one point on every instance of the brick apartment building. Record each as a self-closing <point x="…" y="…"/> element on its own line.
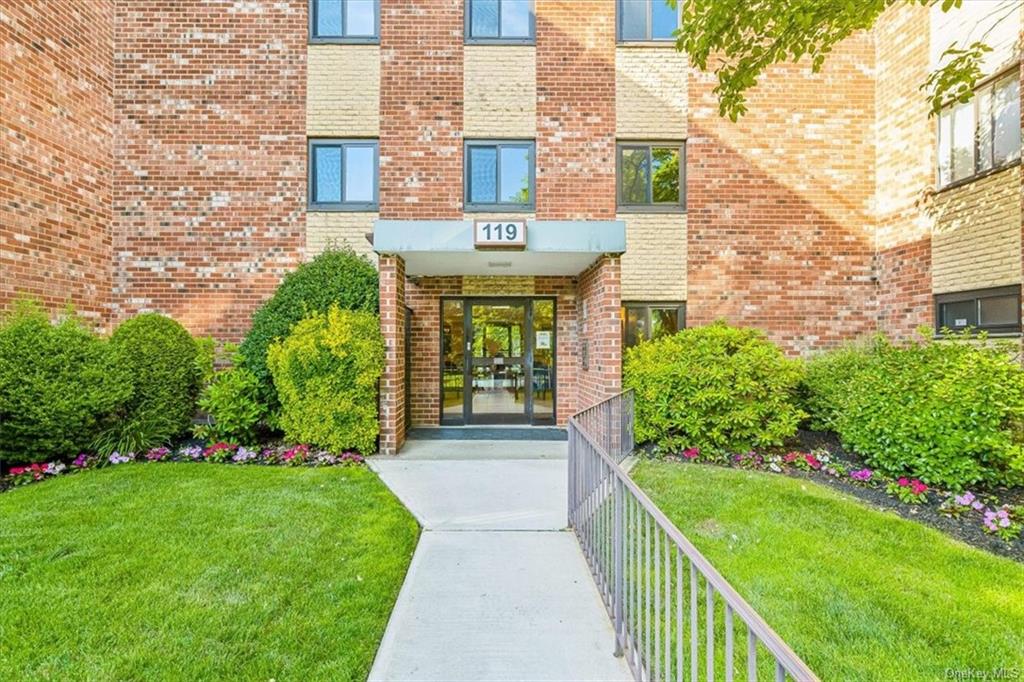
<point x="539" y="181"/>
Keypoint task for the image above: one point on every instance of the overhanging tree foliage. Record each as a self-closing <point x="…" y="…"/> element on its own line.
<point x="743" y="38"/>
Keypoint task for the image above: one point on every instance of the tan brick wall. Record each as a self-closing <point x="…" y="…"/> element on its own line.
<point x="976" y="241"/>
<point x="500" y="86"/>
<point x="654" y="265"/>
<point x="904" y="151"/>
<point x="650" y="92"/>
<point x="343" y="91"/>
<point x="332" y="229"/>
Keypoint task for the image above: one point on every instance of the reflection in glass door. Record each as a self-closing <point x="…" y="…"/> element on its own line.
<point x="498" y="364"/>
<point x="498" y="361"/>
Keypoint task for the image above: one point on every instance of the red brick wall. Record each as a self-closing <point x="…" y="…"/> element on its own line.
<point x="904" y="172"/>
<point x="600" y="332"/>
<point x="421" y="109"/>
<point x="56" y="117"/>
<point x="575" y="110"/>
<point x="210" y="157"/>
<point x="779" y="226"/>
<point x="393" y="401"/>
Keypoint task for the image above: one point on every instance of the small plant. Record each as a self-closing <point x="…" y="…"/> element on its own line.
<point x="910" y="491"/>
<point x="295" y="456"/>
<point x="748" y="460"/>
<point x="158" y="455"/>
<point x="219" y="452"/>
<point x="1001" y="522"/>
<point x="862" y="476"/>
<point x="804" y="461"/>
<point x="118" y="458"/>
<point x="956" y="506"/>
<point x="234" y="405"/>
<point x="191" y="453"/>
<point x="244" y="455"/>
<point x="690" y="454"/>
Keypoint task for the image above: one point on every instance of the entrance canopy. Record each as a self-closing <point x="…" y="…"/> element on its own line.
<point x="500" y="247"/>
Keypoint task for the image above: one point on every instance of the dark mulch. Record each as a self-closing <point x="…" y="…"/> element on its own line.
<point x="967" y="529"/>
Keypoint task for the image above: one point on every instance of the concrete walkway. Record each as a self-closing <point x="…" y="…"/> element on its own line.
<point x="497" y="588"/>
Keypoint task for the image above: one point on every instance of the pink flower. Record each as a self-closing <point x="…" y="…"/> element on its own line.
<point x="691" y="453"/>
<point x="903" y="482"/>
<point x="17" y="471"/>
<point x="917" y="487"/>
<point x="812" y="461"/>
<point x="790" y="457"/>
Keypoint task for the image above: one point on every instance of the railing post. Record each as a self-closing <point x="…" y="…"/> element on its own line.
<point x="618" y="583"/>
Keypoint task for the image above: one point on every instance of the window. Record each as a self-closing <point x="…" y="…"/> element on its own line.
<point x="499" y="175"/>
<point x="344" y="21"/>
<point x="343" y="175"/>
<point x="499" y="21"/>
<point x="645" y="321"/>
<point x="992" y="310"/>
<point x="647" y="20"/>
<point x="982" y="134"/>
<point x="649" y="177"/>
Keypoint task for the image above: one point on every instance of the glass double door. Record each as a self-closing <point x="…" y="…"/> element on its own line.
<point x="498" y="360"/>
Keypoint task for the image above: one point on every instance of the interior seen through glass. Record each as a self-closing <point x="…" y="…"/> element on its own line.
<point x="494" y="361"/>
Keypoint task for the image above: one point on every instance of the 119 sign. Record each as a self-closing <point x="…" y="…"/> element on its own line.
<point x="494" y="233"/>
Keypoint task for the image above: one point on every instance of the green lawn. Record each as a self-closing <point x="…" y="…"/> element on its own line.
<point x="859" y="594"/>
<point x="158" y="571"/>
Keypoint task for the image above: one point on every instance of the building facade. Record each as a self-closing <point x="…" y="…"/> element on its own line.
<point x="540" y="182"/>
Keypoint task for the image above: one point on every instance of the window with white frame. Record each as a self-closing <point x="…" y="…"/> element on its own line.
<point x="982" y="134"/>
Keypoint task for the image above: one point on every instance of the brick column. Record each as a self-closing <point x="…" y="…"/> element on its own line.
<point x="392" y="327"/>
<point x="600" y="301"/>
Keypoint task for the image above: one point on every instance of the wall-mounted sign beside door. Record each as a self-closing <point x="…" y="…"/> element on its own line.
<point x="499" y="234"/>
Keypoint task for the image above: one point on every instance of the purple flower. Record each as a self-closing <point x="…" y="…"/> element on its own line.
<point x="977" y="505"/>
<point x="192" y="452"/>
<point x="965" y="500"/>
<point x="81" y="461"/>
<point x="244" y="455"/>
<point x="118" y="458"/>
<point x="861" y="474"/>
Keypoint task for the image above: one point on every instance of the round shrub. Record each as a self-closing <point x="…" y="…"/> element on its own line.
<point x="326" y="374"/>
<point x="232" y="400"/>
<point x="718" y="388"/>
<point x="947" y="412"/>
<point x="334" y="278"/>
<point x="161" y="357"/>
<point x="58" y="383"/>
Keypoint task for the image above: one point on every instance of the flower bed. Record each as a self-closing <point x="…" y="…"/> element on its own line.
<point x="218" y="453"/>
<point x="992" y="520"/>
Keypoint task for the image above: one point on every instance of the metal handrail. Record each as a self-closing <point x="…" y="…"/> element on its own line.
<point x="615" y="521"/>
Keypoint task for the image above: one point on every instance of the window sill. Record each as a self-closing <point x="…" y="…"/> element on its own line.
<point x="337" y="208"/>
<point x="977" y="176"/>
<point x="344" y="41"/>
<point x="991" y="335"/>
<point x="523" y="42"/>
<point x="662" y="43"/>
<point x="498" y="208"/>
<point x="652" y="208"/>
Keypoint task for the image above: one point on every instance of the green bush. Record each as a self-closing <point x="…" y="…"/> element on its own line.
<point x="339" y="278"/>
<point x="828" y="378"/>
<point x="232" y="400"/>
<point x="326" y="374"/>
<point x="58" y="383"/>
<point x="718" y="388"/>
<point x="946" y="412"/>
<point x="161" y="357"/>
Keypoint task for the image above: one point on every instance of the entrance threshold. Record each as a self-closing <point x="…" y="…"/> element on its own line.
<point x="487" y="433"/>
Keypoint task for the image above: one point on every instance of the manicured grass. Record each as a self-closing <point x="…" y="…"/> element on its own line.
<point x="859" y="594"/>
<point x="180" y="571"/>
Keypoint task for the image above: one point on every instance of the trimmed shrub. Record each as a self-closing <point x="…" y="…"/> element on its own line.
<point x="718" y="388"/>
<point x="326" y="374"/>
<point x="829" y="376"/>
<point x="162" y="359"/>
<point x="334" y="278"/>
<point x="946" y="412"/>
<point x="232" y="400"/>
<point x="58" y="383"/>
